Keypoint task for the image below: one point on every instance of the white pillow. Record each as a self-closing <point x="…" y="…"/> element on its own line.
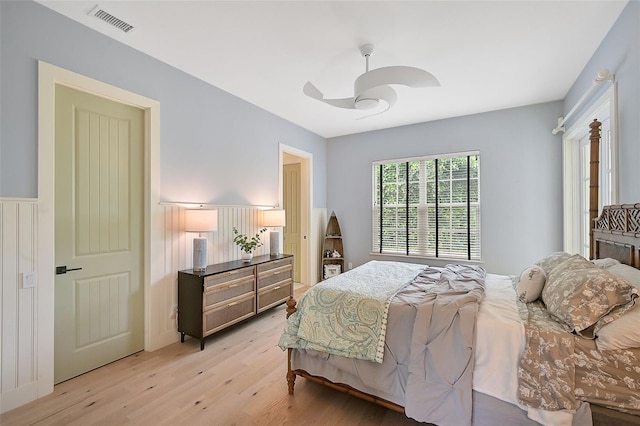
<point x="629" y="273"/>
<point x="624" y="332"/>
<point x="531" y="283"/>
<point x="605" y="263"/>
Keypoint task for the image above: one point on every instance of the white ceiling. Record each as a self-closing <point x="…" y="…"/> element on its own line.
<point x="488" y="55"/>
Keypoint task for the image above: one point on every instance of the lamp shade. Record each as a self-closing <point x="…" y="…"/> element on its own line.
<point x="201" y="220"/>
<point x="275" y="217"/>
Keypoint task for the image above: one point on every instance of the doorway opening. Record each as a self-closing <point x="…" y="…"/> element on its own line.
<point x="296" y="198"/>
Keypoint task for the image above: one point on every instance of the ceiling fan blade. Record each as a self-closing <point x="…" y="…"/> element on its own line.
<point x="312" y="91"/>
<point x="407" y="76"/>
<point x="383" y="93"/>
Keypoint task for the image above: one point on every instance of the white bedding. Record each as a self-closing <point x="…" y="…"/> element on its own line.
<point x="498" y="316"/>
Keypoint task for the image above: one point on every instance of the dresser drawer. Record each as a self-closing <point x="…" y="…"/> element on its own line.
<point x="225" y="291"/>
<point x="279" y="274"/>
<point x="276" y="264"/>
<point x="218" y="318"/>
<point x="228" y="277"/>
<point x="274" y="278"/>
<point x="274" y="295"/>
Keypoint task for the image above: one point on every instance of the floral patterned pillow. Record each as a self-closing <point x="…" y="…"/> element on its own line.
<point x="579" y="294"/>
<point x="548" y="263"/>
<point x="531" y="283"/>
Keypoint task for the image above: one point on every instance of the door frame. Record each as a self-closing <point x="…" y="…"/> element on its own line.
<point x="306" y="205"/>
<point x="48" y="76"/>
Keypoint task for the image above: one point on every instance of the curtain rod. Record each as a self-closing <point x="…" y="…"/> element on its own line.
<point x="603" y="75"/>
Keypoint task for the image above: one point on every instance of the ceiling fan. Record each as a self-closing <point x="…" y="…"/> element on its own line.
<point x="372" y="88"/>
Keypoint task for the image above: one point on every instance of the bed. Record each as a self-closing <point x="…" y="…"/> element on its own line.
<point x="606" y="381"/>
<point x="495" y="398"/>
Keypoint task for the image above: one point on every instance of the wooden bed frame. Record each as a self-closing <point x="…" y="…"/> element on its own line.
<point x="615" y="234"/>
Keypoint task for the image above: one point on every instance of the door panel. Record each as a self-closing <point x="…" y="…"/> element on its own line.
<point x="102" y="308"/>
<point x="292" y="230"/>
<point x="99" y="178"/>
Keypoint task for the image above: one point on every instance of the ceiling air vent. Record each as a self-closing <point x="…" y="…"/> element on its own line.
<point x="110" y="19"/>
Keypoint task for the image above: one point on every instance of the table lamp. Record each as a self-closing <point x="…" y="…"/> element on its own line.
<point x="274" y="218"/>
<point x="200" y="220"/>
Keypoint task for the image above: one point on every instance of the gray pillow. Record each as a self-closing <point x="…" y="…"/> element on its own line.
<point x="531" y="284"/>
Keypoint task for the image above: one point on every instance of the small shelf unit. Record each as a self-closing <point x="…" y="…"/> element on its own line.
<point x="330" y="265"/>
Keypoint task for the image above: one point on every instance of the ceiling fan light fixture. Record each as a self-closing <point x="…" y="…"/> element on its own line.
<point x="366" y="103"/>
<point x="372" y="90"/>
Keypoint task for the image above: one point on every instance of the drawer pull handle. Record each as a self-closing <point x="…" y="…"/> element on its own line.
<point x="276" y="287"/>
<point x="232" y="303"/>
<point x="233" y="285"/>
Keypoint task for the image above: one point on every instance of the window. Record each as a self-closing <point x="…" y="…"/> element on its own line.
<point x="427" y="206"/>
<point x="576" y="172"/>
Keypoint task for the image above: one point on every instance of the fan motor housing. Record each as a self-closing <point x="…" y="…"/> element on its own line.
<point x="366" y="103"/>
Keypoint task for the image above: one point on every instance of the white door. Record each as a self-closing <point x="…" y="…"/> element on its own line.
<point x="99" y="165"/>
<point x="292" y="230"/>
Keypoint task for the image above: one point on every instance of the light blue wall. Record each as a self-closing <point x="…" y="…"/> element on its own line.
<point x="521" y="180"/>
<point x="521" y="161"/>
<point x="214" y="147"/>
<point x="207" y="136"/>
<point x="619" y="52"/>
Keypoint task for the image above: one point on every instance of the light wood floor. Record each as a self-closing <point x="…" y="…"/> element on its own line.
<point x="239" y="379"/>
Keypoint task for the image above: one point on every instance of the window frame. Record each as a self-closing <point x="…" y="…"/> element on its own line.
<point x="423" y="249"/>
<point x="574" y="174"/>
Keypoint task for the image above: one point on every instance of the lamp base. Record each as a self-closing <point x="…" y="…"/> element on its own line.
<point x="199" y="254"/>
<point x="274" y="243"/>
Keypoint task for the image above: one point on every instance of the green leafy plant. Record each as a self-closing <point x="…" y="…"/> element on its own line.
<point x="246" y="244"/>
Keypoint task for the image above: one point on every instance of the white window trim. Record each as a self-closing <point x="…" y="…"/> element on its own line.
<point x="607" y="102"/>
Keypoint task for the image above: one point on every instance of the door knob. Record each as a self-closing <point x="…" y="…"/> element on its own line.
<point x="63" y="270"/>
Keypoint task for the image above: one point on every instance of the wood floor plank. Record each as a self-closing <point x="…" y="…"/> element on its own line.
<point x="238" y="379"/>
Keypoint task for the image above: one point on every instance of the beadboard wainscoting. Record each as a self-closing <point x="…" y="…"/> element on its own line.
<point x="178" y="255"/>
<point x="27" y="352"/>
<point x="21" y="344"/>
<point x="18" y="305"/>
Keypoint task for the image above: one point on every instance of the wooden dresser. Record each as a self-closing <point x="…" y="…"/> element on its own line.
<point x="227" y="293"/>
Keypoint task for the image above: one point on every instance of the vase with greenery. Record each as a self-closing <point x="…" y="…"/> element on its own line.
<point x="247" y="244"/>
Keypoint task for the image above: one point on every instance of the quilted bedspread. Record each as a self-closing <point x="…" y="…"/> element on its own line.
<point x="347" y="315"/>
<point x="439" y="387"/>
